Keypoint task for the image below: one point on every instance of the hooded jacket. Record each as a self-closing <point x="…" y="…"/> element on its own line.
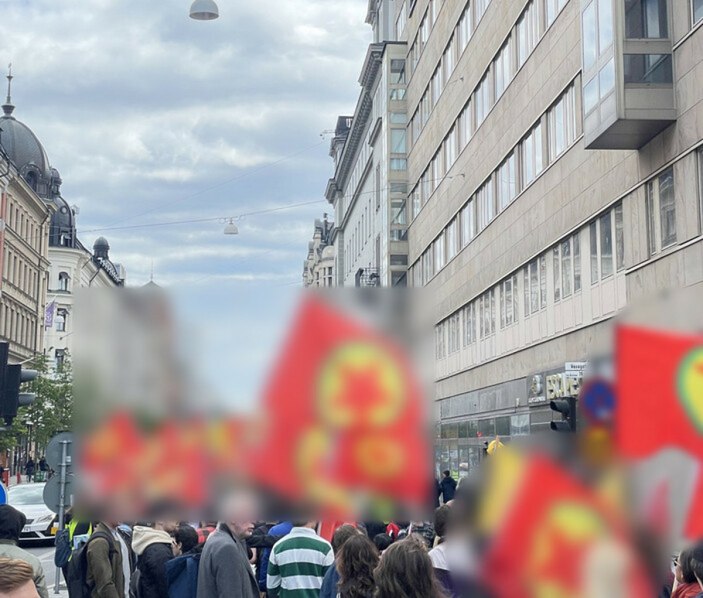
<point x="153" y="548"/>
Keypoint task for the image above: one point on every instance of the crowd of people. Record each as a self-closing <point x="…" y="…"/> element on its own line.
<point x="286" y="559"/>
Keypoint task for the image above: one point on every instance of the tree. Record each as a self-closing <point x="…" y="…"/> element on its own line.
<point x="52" y="409"/>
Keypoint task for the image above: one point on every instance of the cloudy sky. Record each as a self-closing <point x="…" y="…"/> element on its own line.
<point x="151" y="117"/>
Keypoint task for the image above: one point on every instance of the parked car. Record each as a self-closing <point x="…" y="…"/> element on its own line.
<point x="41" y="521"/>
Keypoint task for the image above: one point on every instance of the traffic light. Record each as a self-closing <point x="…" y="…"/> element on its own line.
<point x="11" y="377"/>
<point x="567" y="408"/>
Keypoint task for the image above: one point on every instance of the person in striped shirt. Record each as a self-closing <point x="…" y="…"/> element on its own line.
<point x="298" y="563"/>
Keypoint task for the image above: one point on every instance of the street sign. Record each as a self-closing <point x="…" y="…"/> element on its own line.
<point x="597" y="400"/>
<point x="3" y="494"/>
<point x="52" y="493"/>
<point x="53" y="450"/>
<point x="575" y="366"/>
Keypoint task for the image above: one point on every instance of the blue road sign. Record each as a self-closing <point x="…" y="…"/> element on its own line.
<point x="3" y="494"/>
<point x="597" y="400"/>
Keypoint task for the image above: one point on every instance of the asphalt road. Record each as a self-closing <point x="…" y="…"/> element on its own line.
<point x="45" y="554"/>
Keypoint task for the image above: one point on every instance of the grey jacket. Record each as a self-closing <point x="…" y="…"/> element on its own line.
<point x="9" y="549"/>
<point x="224" y="570"/>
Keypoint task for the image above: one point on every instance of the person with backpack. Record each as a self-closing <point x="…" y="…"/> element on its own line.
<point x="182" y="571"/>
<point x="99" y="568"/>
<point x="11" y="523"/>
<point x="65" y="540"/>
<point x="154" y="546"/>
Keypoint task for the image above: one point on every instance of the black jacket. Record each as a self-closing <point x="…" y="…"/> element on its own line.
<point x="153" y="549"/>
<point x="448" y="485"/>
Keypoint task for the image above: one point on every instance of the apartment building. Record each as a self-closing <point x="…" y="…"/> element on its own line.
<point x="369" y="186"/>
<point x="555" y="158"/>
<point x="318" y="267"/>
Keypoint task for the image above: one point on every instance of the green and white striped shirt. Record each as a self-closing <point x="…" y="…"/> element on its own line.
<point x="298" y="564"/>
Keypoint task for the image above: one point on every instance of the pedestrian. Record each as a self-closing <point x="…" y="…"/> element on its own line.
<point x="685" y="583"/>
<point x="374" y="528"/>
<point x="356" y="562"/>
<point x="29" y="469"/>
<point x="382" y="541"/>
<point x="406" y="570"/>
<point x="438" y="554"/>
<point x="16" y="579"/>
<point x="331" y="579"/>
<point x="11" y="523"/>
<point x="42" y="464"/>
<point x="205" y="529"/>
<point x="275" y="532"/>
<point x="182" y="570"/>
<point x="185" y="538"/>
<point x="107" y="557"/>
<point x="448" y="486"/>
<point x="696" y="563"/>
<point x="224" y="570"/>
<point x="436" y="492"/>
<point x="153" y="545"/>
<point x="424" y="531"/>
<point x="298" y="563"/>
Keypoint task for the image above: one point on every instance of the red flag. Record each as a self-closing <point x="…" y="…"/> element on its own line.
<point x="659" y="392"/>
<point x="344" y="418"/>
<point x="549" y="540"/>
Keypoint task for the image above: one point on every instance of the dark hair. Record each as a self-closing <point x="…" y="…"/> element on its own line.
<point x="382" y="541"/>
<point x="405" y="571"/>
<point x="187" y="537"/>
<point x="341" y="535"/>
<point x="447" y="472"/>
<point x="356" y="563"/>
<point x="11" y="523"/>
<point x="695" y="561"/>
<point x="441" y="517"/>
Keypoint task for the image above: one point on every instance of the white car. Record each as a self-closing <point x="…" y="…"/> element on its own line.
<point x="41" y="521"/>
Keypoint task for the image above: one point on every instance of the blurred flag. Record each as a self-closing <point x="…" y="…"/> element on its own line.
<point x="49" y="312"/>
<point x="660" y="401"/>
<point x="659" y="392"/>
<point x="345" y="430"/>
<point x="556" y="539"/>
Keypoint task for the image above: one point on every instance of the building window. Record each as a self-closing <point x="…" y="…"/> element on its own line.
<point x="535" y="285"/>
<point x="487" y="314"/>
<point x="597" y="26"/>
<point x="531" y="155"/>
<point x="646" y="19"/>
<point x="397" y="141"/>
<point x="481" y="6"/>
<point x="465" y="125"/>
<point x="661" y="212"/>
<point x="503" y="68"/>
<point x="553" y="9"/>
<point x="397" y="72"/>
<point x="485" y="204"/>
<point x="440" y="341"/>
<point x="439" y="253"/>
<point x="561" y="120"/>
<point x="399" y="164"/>
<point x="468" y="223"/>
<point x="696" y="10"/>
<point x="451" y="237"/>
<point x="469" y="323"/>
<point x="567" y="267"/>
<point x="508" y="301"/>
<point x="59" y="358"/>
<point x="527" y="32"/>
<point x="398" y="213"/>
<point x="507" y="182"/>
<point x="61" y="318"/>
<point x="454" y="333"/>
<point x="607" y="244"/>
<point x="593" y="236"/>
<point x="63" y="281"/>
<point x="465" y="29"/>
<point x="482" y="99"/>
<point x="556" y="266"/>
<point x="647" y="69"/>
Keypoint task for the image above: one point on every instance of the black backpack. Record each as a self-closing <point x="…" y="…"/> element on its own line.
<point x="77" y="576"/>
